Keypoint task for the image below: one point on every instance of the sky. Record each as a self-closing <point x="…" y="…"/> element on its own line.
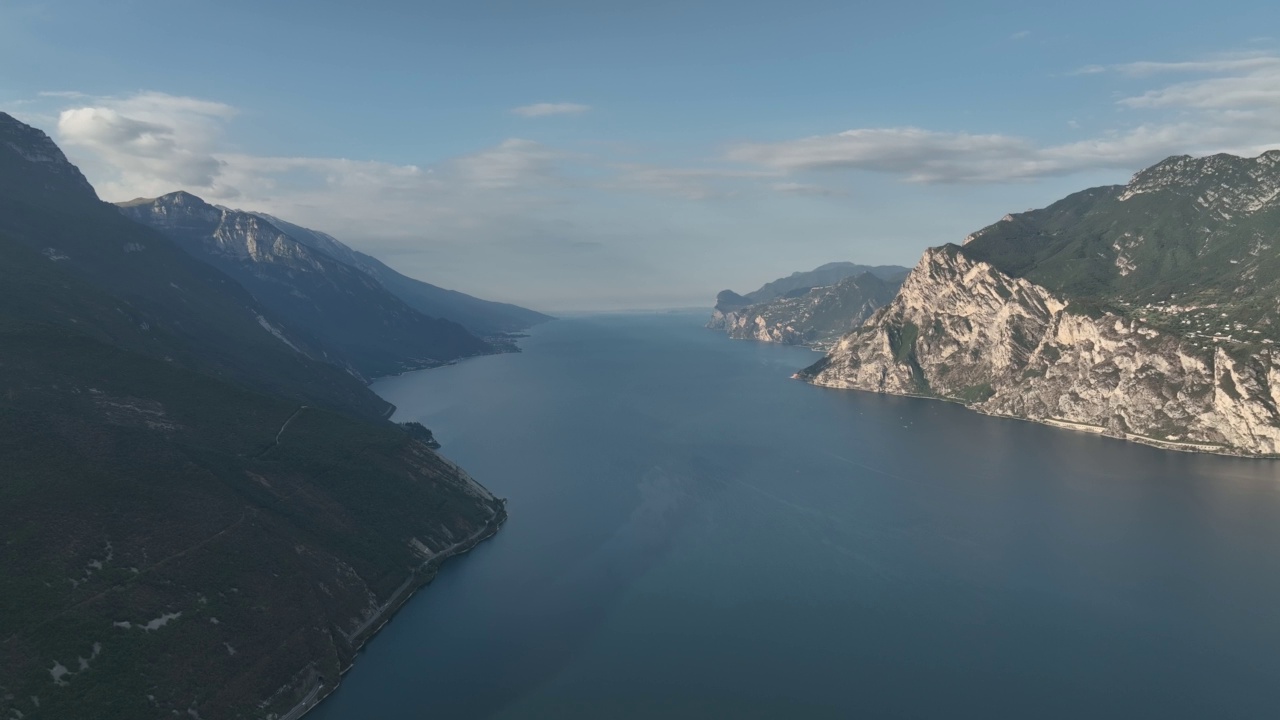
<point x="582" y="155"/>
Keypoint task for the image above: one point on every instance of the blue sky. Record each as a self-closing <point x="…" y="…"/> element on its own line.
<point x="584" y="155"/>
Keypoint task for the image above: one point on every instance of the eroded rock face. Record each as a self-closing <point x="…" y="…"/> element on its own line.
<point x="817" y="317"/>
<point x="961" y="329"/>
<point x="750" y="324"/>
<point x="219" y="232"/>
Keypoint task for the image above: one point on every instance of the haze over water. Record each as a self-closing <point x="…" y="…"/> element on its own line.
<point x="694" y="534"/>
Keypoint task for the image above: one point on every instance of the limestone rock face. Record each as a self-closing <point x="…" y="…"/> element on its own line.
<point x="223" y="233"/>
<point x="817" y="316"/>
<point x="961" y="329"/>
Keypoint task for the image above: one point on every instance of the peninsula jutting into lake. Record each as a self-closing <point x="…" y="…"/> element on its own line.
<point x="1143" y="311"/>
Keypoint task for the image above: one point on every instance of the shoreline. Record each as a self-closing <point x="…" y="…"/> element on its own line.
<point x="425" y="574"/>
<point x="1186" y="446"/>
<point x="422" y="575"/>
<point x="814" y="346"/>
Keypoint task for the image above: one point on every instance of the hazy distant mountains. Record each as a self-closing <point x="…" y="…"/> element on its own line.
<point x="812" y="308"/>
<point x="1146" y="311"/>
<point x="342" y="311"/>
<point x="803" y="281"/>
<point x="333" y="296"/>
<point x="483" y="317"/>
<point x="200" y="516"/>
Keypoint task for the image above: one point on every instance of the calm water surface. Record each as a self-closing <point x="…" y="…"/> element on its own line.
<point x="693" y="534"/>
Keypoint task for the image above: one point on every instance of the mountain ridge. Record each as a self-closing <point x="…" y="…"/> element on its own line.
<point x="805" y="280"/>
<point x="1143" y="311"/>
<point x="483" y="317"/>
<point x="813" y="308"/>
<point x="356" y="323"/>
<point x="198" y="516"/>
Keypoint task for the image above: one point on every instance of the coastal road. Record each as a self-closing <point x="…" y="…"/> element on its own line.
<point x="306" y="704"/>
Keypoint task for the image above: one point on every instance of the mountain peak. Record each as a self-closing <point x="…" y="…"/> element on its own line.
<point x="173" y="210"/>
<point x="175" y="199"/>
<point x="1225" y="185"/>
<point x="31" y="164"/>
<point x="181" y="197"/>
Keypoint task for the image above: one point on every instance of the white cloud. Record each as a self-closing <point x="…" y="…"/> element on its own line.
<point x="512" y="163"/>
<point x="1020" y="35"/>
<point x="149" y="141"/>
<point x="918" y="155"/>
<point x="1233" y="107"/>
<point x="545" y="109"/>
<point x="138" y="146"/>
<point x="532" y="204"/>
<point x="61" y="94"/>
<point x="1243" y="84"/>
<point x="149" y="144"/>
<point x="804" y="189"/>
<point x="1226" y="64"/>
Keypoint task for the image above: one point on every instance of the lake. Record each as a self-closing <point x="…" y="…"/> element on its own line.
<point x="693" y="534"/>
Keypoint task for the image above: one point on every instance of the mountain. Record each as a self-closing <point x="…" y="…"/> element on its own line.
<point x="180" y="309"/>
<point x="483" y="317"/>
<point x="812" y="308"/>
<point x="1144" y="311"/>
<point x="197" y="517"/>
<point x="817" y="318"/>
<point x="355" y="322"/>
<point x="801" y="282"/>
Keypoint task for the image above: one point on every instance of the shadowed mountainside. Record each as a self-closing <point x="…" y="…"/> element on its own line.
<point x="198" y="514"/>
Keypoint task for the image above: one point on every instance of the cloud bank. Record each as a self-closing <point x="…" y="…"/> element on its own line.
<point x="1224" y="105"/>
<point x="520" y="209"/>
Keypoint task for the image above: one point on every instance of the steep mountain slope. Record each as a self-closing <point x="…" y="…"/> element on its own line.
<point x="808" y="308"/>
<point x="346" y="313"/>
<point x="1187" y="232"/>
<point x="196" y="518"/>
<point x="483" y="317"/>
<point x="817" y="318"/>
<point x="802" y="281"/>
<point x="182" y="310"/>
<point x="1144" y="311"/>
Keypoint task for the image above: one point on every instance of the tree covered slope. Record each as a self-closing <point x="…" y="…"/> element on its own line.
<point x="198" y="514"/>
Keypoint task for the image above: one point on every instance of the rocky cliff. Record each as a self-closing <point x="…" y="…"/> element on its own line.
<point x="813" y="308"/>
<point x="1181" y="359"/>
<point x="818" y="317"/>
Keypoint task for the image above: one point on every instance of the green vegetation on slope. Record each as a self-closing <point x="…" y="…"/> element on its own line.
<point x="194" y="515"/>
<point x="1189" y="247"/>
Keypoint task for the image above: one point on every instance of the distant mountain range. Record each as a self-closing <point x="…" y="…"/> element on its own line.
<point x="482" y="317"/>
<point x="342" y="311"/>
<point x="203" y="511"/>
<point x="814" y="308"/>
<point x="1146" y="311"/>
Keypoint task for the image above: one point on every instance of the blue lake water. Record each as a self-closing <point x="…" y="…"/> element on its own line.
<point x="693" y="534"/>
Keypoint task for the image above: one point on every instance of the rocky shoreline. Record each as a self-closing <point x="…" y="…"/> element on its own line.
<point x="420" y="578"/>
<point x="961" y="330"/>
